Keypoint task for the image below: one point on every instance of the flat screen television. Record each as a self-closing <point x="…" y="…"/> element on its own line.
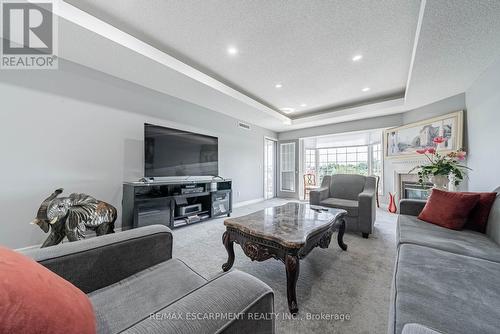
<point x="173" y="152"/>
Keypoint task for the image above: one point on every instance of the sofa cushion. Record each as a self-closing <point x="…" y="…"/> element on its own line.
<point x="349" y="205"/>
<point x="214" y="307"/>
<point x="448" y="292"/>
<point x="347" y="186"/>
<point x="478" y="217"/>
<point x="418" y="329"/>
<point x="493" y="226"/>
<point x="448" y="209"/>
<point x="412" y="230"/>
<point x="134" y="298"/>
<point x="35" y="300"/>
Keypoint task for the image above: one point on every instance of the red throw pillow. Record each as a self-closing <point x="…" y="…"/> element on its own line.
<point x="448" y="209"/>
<point x="35" y="300"/>
<point x="478" y="217"/>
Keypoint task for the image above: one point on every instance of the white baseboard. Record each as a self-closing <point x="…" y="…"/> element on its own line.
<point x="252" y="201"/>
<point x="90" y="234"/>
<point x="22" y="249"/>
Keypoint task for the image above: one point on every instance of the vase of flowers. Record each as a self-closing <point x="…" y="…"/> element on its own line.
<point x="440" y="181"/>
<point x="441" y="166"/>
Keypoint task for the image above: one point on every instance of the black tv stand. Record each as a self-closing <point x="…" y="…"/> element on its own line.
<point x="175" y="203"/>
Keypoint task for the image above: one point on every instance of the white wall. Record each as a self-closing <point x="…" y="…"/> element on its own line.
<point x="450" y="104"/>
<point x="82" y="130"/>
<point x="483" y="107"/>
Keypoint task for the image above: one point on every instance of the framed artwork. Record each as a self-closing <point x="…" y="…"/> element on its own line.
<point x="404" y="141"/>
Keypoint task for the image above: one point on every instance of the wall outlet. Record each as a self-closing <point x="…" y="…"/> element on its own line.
<point x="238" y="193"/>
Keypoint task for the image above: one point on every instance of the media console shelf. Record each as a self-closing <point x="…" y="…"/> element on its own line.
<point x="175" y="203"/>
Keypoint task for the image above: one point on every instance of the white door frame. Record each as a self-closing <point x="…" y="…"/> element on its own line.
<point x="275" y="165"/>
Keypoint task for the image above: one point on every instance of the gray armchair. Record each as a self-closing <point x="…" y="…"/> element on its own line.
<point x="354" y="193"/>
<point x="135" y="285"/>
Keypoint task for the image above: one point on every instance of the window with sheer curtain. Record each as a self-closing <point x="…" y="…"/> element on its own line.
<point x="377" y="160"/>
<point x="310" y="161"/>
<point x="327" y="158"/>
<point x="343" y="160"/>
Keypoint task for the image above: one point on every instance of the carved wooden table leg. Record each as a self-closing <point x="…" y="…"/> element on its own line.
<point x="292" y="274"/>
<point x="340" y="235"/>
<point x="228" y="243"/>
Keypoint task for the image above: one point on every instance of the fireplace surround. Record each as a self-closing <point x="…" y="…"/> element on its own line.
<point x="414" y="190"/>
<point x="406" y="184"/>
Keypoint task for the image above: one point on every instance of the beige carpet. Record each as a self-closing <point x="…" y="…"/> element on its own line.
<point x="354" y="285"/>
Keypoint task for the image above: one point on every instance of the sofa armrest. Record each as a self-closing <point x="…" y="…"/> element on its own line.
<point x="411" y="207"/>
<point x="318" y="195"/>
<point x="418" y="329"/>
<point x="367" y="194"/>
<point x="367" y="210"/>
<point x="97" y="262"/>
<point x="235" y="302"/>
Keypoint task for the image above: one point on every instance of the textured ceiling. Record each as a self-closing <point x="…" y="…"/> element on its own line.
<point x="124" y="61"/>
<point x="415" y="53"/>
<point x="457" y="42"/>
<point x="306" y="46"/>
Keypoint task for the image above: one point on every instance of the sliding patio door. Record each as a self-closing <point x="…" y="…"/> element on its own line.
<point x="288" y="152"/>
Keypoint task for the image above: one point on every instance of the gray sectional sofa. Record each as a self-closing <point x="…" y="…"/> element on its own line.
<point x="444" y="280"/>
<point x="136" y="287"/>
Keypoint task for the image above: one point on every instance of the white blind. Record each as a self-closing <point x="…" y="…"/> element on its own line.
<point x="287" y="166"/>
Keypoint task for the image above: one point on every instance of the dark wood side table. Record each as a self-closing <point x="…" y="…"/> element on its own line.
<point x="286" y="233"/>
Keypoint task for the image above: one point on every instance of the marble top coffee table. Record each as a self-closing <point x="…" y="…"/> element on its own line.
<point x="287" y="233"/>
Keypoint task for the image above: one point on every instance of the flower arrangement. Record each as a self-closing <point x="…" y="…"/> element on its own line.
<point x="441" y="165"/>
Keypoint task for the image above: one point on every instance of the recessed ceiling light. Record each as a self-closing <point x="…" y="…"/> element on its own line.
<point x="287" y="110"/>
<point x="365" y="89"/>
<point x="357" y="58"/>
<point x="303" y="105"/>
<point x="278" y="85"/>
<point x="232" y="50"/>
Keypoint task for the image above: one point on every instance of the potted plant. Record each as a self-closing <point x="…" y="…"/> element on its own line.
<point x="441" y="166"/>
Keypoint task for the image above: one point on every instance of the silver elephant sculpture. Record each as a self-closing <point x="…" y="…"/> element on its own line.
<point x="71" y="216"/>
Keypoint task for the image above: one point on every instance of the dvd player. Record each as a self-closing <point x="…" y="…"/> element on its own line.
<point x="188" y="209"/>
<point x="192" y="190"/>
